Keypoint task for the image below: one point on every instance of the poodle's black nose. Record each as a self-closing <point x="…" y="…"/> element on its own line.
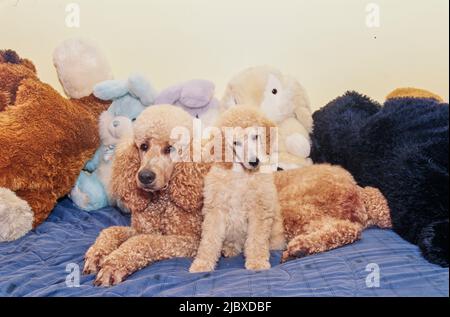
<point x="146" y="177"/>
<point x="254" y="162"/>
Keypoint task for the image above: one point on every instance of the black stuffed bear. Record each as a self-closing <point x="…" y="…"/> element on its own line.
<point x="400" y="147"/>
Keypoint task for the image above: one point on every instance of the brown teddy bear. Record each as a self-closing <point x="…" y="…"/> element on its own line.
<point x="45" y="139"/>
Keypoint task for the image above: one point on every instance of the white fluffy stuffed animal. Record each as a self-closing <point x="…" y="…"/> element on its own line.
<point x="284" y="101"/>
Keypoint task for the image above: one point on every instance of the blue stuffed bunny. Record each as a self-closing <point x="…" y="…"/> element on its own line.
<point x="130" y="97"/>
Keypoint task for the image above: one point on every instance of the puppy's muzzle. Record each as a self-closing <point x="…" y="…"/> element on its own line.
<point x="254" y="162"/>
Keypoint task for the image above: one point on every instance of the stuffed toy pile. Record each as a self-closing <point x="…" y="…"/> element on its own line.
<point x="401" y="148"/>
<point x="284" y="101"/>
<point x="129" y="98"/>
<point x="45" y="138"/>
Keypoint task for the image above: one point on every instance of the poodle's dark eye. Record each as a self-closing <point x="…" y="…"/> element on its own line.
<point x="169" y="149"/>
<point x="134" y="119"/>
<point x="274" y="91"/>
<point x="144" y="147"/>
<point x="237" y="143"/>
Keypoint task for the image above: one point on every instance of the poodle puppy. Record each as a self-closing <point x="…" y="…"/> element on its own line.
<point x="241" y="209"/>
<point x="400" y="148"/>
<point x="163" y="195"/>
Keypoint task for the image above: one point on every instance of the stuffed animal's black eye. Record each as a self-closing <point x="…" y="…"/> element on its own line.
<point x="169" y="149"/>
<point x="274" y="91"/>
<point x="134" y="119"/>
<point x="144" y="147"/>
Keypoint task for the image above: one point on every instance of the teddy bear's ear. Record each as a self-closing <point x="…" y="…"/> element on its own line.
<point x="141" y="88"/>
<point x="111" y="89"/>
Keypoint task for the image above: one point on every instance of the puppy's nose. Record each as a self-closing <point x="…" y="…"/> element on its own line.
<point x="254" y="162"/>
<point x="146" y="177"/>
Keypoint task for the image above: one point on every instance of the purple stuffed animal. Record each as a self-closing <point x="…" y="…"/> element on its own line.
<point x="196" y="97"/>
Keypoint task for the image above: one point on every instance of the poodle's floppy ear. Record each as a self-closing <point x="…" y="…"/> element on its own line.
<point x="271" y="135"/>
<point x="186" y="185"/>
<point x="111" y="89"/>
<point x="123" y="185"/>
<point x="141" y="88"/>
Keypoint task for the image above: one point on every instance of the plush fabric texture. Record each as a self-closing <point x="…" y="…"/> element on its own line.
<point x="16" y="216"/>
<point x="400" y="148"/>
<point x="195" y="96"/>
<point x="80" y="66"/>
<point x="45" y="141"/>
<point x="129" y="98"/>
<point x="13" y="70"/>
<point x="36" y="264"/>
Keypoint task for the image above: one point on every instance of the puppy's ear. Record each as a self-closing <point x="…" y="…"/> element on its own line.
<point x="186" y="186"/>
<point x="271" y="133"/>
<point x="123" y="185"/>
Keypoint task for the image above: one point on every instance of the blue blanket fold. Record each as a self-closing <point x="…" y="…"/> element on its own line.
<point x="39" y="264"/>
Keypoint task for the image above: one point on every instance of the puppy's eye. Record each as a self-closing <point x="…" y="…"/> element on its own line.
<point x="274" y="91"/>
<point x="134" y="119"/>
<point x="144" y="147"/>
<point x="169" y="149"/>
<point x="237" y="143"/>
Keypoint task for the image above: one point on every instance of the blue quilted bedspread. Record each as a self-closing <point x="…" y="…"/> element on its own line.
<point x="39" y="265"/>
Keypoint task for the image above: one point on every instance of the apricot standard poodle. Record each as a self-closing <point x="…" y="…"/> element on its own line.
<point x="241" y="208"/>
<point x="322" y="206"/>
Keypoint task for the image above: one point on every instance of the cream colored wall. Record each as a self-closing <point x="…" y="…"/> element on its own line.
<point x="324" y="43"/>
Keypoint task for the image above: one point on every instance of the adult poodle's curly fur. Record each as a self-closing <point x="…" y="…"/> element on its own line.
<point x="166" y="221"/>
<point x="400" y="148"/>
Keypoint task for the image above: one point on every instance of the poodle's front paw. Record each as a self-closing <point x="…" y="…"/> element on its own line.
<point x="93" y="260"/>
<point x="110" y="275"/>
<point x="201" y="266"/>
<point x="257" y="265"/>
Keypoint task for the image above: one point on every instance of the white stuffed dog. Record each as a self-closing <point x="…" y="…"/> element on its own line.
<point x="284" y="101"/>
